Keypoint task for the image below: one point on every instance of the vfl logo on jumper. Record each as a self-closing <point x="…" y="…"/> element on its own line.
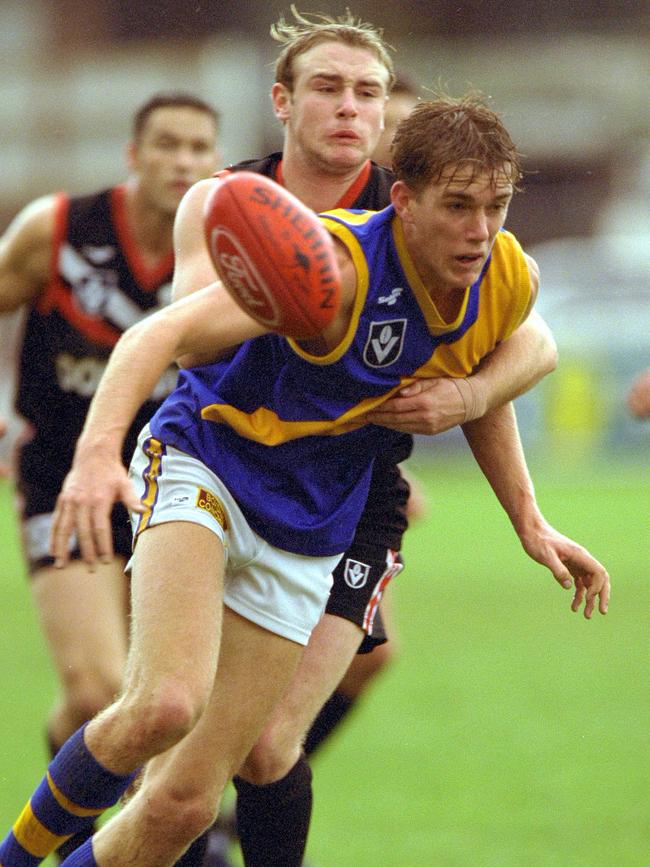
<point x="211" y="504"/>
<point x="385" y="342"/>
<point x="356" y="574"/>
<point x="392" y="298"/>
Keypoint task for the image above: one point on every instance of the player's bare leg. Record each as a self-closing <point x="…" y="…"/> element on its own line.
<point x="332" y="645"/>
<point x="176" y="623"/>
<point x="366" y="666"/>
<point x="84" y="618"/>
<point x="180" y="794"/>
<point x="274" y="783"/>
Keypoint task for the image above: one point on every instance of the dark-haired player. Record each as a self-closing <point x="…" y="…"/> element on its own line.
<point x="86" y="268"/>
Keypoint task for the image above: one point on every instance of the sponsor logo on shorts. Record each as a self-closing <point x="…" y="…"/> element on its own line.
<point x="211" y="504"/>
<point x="356" y="573"/>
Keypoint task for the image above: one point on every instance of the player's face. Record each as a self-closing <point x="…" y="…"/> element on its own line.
<point x="334" y="115"/>
<point x="177" y="147"/>
<point x="451" y="225"/>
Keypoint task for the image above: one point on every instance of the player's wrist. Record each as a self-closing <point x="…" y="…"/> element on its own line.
<point x="105" y="443"/>
<point x="527" y="520"/>
<point x="474" y="397"/>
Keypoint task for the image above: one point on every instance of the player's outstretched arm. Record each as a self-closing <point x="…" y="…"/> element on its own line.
<point x="494" y="440"/>
<point x="201" y="325"/>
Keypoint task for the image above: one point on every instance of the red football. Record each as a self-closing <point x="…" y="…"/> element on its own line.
<point x="273" y="254"/>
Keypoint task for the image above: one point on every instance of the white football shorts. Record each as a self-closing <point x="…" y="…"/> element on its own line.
<point x="283" y="592"/>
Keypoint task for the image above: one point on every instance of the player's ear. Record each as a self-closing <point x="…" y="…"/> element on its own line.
<point x="401" y="195"/>
<point x="281" y="97"/>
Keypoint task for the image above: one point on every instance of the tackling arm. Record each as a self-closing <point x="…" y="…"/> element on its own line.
<point x="431" y="406"/>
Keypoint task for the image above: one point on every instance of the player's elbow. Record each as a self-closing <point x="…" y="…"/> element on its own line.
<point x="545" y="347"/>
<point x="550" y="356"/>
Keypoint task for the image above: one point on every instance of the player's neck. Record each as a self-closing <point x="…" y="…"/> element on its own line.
<point x="150" y="227"/>
<point x="319" y="189"/>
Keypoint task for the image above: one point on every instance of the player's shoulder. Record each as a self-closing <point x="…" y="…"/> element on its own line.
<point x="511" y="266"/>
<point x="375" y="194"/>
<point x="506" y="245"/>
<point x="42" y="208"/>
<point x="193" y="202"/>
<point x="262" y="166"/>
<point x="36" y="222"/>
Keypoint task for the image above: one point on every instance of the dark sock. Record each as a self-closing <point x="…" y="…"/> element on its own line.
<point x="195" y="855"/>
<point x="335" y="709"/>
<point x="273" y="820"/>
<point x="80" y="837"/>
<point x="211" y="848"/>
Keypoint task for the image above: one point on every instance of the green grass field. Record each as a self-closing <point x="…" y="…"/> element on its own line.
<point x="510" y="732"/>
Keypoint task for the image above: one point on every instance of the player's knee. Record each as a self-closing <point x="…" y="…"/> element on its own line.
<point x="272" y="757"/>
<point x="85" y="694"/>
<point x="365" y="667"/>
<point x="383" y="656"/>
<point x="162" y="716"/>
<point x="180" y="813"/>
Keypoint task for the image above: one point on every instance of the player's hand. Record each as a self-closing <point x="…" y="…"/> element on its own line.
<point x="428" y="406"/>
<point x="638" y="399"/>
<point x="572" y="566"/>
<point x="84" y="508"/>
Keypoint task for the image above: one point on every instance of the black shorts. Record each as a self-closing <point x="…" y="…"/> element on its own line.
<point x="37" y="529"/>
<point x="42" y="468"/>
<point x="362" y="575"/>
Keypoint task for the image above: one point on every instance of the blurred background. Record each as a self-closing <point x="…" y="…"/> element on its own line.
<point x="571" y="80"/>
<point x="510" y="732"/>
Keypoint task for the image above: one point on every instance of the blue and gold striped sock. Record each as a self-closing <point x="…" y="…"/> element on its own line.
<point x="75" y="790"/>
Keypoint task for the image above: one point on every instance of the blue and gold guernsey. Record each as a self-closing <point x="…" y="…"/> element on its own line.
<point x="282" y="428"/>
